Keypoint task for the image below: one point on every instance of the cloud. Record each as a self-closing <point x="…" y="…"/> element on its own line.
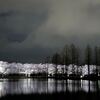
<point x="68" y="16"/>
<point x="18" y="19"/>
<point x="43" y="25"/>
<point x="72" y="21"/>
<point x="67" y="22"/>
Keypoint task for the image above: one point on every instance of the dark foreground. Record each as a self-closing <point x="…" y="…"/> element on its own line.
<point x="55" y="96"/>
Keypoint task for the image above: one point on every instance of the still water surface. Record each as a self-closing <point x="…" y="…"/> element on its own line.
<point x="32" y="86"/>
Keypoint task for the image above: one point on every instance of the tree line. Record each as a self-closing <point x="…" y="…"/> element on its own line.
<point x="73" y="55"/>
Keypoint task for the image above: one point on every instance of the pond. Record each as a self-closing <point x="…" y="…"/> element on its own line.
<point x="46" y="86"/>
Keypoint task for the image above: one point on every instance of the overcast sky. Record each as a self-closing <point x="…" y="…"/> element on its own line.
<point x="30" y="30"/>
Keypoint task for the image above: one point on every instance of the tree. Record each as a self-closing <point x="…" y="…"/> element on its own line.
<point x="77" y="59"/>
<point x="65" y="57"/>
<point x="56" y="59"/>
<point x="47" y="61"/>
<point x="73" y="57"/>
<point x="88" y="57"/>
<point x="97" y="58"/>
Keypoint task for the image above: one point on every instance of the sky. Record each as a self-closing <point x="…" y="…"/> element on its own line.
<point x="30" y="30"/>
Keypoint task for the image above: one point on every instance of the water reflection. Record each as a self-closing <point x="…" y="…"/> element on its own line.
<point x="27" y="86"/>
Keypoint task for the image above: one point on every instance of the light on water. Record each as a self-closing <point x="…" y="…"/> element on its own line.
<point x="32" y="86"/>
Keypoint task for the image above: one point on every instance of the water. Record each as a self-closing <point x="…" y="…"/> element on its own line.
<point x="32" y="86"/>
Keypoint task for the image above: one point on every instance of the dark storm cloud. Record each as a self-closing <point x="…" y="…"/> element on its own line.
<point x="16" y="26"/>
<point x="6" y="14"/>
<point x="32" y="29"/>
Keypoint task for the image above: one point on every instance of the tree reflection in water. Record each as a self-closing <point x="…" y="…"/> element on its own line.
<point x="48" y="86"/>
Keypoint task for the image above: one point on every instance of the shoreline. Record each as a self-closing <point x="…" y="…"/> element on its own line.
<point x="56" y="78"/>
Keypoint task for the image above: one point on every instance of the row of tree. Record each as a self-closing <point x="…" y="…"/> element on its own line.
<point x="75" y="56"/>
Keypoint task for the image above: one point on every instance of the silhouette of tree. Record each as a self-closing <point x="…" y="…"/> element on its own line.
<point x="56" y="59"/>
<point x="88" y="57"/>
<point x="97" y="59"/>
<point x="74" y="57"/>
<point x="77" y="59"/>
<point x="65" y="57"/>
